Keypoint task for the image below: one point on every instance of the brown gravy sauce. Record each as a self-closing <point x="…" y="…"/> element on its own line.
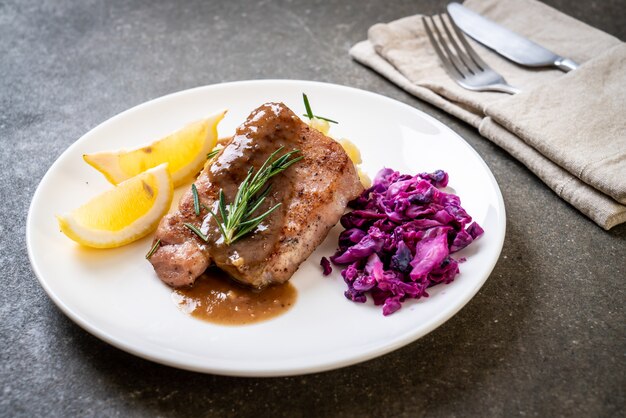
<point x="218" y="299"/>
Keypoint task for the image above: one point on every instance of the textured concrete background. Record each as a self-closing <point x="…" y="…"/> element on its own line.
<point x="544" y="337"/>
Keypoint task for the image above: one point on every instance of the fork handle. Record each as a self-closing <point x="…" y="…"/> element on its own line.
<point x="504" y="88"/>
<point x="565" y="64"/>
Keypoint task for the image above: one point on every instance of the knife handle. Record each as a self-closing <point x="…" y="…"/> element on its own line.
<point x="565" y="64"/>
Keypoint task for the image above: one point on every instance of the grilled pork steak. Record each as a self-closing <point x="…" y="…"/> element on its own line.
<point x="314" y="193"/>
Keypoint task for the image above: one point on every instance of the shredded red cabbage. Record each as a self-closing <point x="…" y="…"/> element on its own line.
<point x="398" y="239"/>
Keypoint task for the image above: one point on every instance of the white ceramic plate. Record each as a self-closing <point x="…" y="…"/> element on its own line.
<point x="115" y="294"/>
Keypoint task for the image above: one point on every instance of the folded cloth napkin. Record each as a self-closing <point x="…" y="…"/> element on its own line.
<point x="569" y="129"/>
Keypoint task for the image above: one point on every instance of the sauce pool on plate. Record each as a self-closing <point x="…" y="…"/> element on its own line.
<point x="218" y="299"/>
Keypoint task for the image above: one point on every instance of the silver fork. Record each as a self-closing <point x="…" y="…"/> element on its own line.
<point x="464" y="66"/>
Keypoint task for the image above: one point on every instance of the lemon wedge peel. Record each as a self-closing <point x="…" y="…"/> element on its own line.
<point x="184" y="150"/>
<point x="124" y="214"/>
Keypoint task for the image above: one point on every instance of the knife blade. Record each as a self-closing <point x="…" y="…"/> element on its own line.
<point x="505" y="42"/>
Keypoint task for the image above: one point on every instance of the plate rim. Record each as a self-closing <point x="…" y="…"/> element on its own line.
<point x="148" y="354"/>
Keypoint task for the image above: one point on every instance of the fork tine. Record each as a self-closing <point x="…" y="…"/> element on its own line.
<point x="463" y="56"/>
<point x="447" y="64"/>
<point x="467" y="46"/>
<point x="462" y="68"/>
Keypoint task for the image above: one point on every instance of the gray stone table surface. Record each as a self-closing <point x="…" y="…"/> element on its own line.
<point x="544" y="336"/>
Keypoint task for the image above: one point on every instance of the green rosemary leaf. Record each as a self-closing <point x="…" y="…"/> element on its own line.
<point x="307" y="106"/>
<point x="322" y="118"/>
<point x="153" y="249"/>
<point x="196" y="199"/>
<point x="213" y="153"/>
<point x="196" y="231"/>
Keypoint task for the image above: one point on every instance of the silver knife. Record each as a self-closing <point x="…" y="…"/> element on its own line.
<point x="505" y="42"/>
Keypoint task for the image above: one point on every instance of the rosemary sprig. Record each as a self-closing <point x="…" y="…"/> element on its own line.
<point x="309" y="113"/>
<point x="153" y="249"/>
<point x="236" y="219"/>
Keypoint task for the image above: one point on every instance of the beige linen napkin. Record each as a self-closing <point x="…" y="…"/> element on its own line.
<point x="569" y="129"/>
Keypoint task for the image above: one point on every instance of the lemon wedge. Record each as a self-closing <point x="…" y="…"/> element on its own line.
<point x="123" y="214"/>
<point x="184" y="150"/>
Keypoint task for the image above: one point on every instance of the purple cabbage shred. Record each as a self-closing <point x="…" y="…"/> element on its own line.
<point x="326" y="268"/>
<point x="398" y="239"/>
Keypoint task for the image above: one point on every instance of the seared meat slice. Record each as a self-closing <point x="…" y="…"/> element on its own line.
<point x="314" y="193"/>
